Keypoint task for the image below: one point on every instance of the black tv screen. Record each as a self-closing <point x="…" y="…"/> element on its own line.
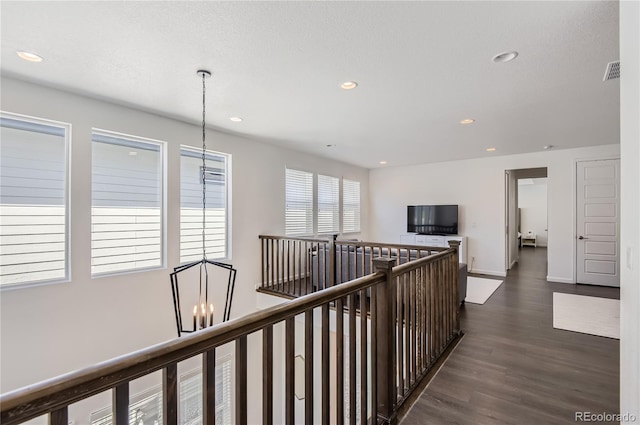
<point x="432" y="219"/>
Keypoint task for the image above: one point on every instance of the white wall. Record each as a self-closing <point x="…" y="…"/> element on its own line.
<point x="478" y="186"/>
<point x="630" y="209"/>
<point x="532" y="201"/>
<point x="52" y="329"/>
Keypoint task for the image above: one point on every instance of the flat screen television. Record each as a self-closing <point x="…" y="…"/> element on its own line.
<point x="432" y="219"/>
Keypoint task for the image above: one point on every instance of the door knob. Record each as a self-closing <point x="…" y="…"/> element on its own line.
<point x="582" y="237"/>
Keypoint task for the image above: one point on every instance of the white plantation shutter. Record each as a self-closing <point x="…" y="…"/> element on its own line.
<point x="328" y="204"/>
<point x="350" y="206"/>
<point x="216" y="178"/>
<point x="299" y="202"/>
<point x="126" y="204"/>
<point x="33" y="201"/>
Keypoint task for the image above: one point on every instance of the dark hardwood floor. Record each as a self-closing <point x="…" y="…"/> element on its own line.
<point x="512" y="367"/>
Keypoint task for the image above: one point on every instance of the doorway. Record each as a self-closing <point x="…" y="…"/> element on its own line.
<point x="526" y="213"/>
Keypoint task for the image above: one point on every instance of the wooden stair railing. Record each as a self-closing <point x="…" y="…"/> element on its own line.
<point x="406" y="314"/>
<point x="292" y="267"/>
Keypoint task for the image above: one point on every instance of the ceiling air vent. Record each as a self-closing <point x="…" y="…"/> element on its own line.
<point x="613" y="71"/>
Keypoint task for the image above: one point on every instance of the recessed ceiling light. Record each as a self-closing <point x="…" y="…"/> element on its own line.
<point x="467" y="121"/>
<point x="133" y="153"/>
<point x="546" y="147"/>
<point x="349" y="85"/>
<point x="505" y="57"/>
<point x="29" y="56"/>
<point x="491" y="149"/>
<point x="383" y="162"/>
<point x="236" y="119"/>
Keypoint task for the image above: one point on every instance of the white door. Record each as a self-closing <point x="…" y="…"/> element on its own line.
<point x="598" y="222"/>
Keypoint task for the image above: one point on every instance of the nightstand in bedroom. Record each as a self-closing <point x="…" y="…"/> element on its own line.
<point x="528" y="239"/>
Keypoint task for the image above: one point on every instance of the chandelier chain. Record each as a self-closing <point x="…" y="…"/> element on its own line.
<point x="204" y="181"/>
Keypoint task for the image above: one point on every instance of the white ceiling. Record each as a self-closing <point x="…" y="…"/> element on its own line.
<point x="421" y="68"/>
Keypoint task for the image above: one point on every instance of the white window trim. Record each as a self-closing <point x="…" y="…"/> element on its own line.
<point x="67" y="201"/>
<point x="228" y="193"/>
<point x="163" y="201"/>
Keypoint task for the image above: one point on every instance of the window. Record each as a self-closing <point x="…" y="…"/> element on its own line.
<point x="126" y="203"/>
<point x="146" y="408"/>
<point x="303" y="206"/>
<point x="328" y="204"/>
<point x="33" y="200"/>
<point x="350" y="206"/>
<point x="191" y="395"/>
<point x="299" y="202"/>
<point x="216" y="178"/>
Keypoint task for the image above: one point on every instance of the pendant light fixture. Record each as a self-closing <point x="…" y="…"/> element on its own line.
<point x="202" y="314"/>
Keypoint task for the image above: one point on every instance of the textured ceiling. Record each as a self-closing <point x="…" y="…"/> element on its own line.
<point x="421" y="68"/>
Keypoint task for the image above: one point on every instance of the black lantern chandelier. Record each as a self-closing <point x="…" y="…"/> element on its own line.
<point x="203" y="310"/>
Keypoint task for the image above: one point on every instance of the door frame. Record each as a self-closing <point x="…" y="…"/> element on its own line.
<point x="507" y="205"/>
<point x="524" y="173"/>
<point x="511" y="183"/>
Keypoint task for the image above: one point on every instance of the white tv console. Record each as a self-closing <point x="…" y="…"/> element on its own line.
<point x="435" y="240"/>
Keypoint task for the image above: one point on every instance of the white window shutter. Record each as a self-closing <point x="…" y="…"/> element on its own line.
<point x="217" y="213"/>
<point x="299" y="202"/>
<point x="328" y="204"/>
<point x="126" y="204"/>
<point x="350" y="206"/>
<point x="33" y="201"/>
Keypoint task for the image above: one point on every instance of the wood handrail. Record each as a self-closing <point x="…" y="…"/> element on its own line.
<point x="411" y="310"/>
<point x="295" y="266"/>
<point x="35" y="400"/>
<point x="303" y="239"/>
<point x="357" y="243"/>
<point x="392" y="245"/>
<point x="415" y="264"/>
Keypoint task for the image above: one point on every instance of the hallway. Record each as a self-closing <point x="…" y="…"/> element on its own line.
<point x="512" y="367"/>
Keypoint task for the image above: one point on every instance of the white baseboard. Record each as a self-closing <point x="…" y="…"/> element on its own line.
<point x="559" y="279"/>
<point x="489" y="272"/>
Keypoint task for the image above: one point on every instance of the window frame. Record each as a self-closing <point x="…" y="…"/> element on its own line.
<point x="67" y="127"/>
<point x="162" y="145"/>
<point x="228" y="205"/>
